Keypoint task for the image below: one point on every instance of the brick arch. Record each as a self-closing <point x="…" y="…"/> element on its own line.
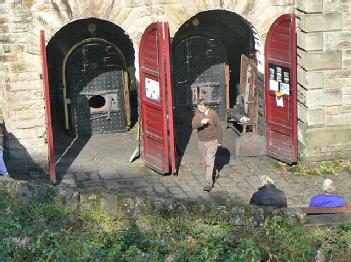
<point x="261" y="14"/>
<point x="54" y="17"/>
<point x="133" y="19"/>
<point x="78" y="30"/>
<point x="249" y="15"/>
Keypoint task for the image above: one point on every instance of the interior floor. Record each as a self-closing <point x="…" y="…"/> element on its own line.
<point x="89" y="153"/>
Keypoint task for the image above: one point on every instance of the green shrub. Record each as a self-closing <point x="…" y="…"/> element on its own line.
<point x="334" y="242"/>
<point x="50" y="232"/>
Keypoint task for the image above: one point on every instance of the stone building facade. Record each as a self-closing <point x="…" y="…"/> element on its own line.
<point x="324" y="61"/>
<point x="324" y="78"/>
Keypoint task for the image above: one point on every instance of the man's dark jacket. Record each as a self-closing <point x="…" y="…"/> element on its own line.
<point x="269" y="195"/>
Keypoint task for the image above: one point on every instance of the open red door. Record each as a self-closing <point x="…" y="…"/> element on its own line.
<point x="280" y="89"/>
<point x="156" y="98"/>
<point x="48" y="109"/>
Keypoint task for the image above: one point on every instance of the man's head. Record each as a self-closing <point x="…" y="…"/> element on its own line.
<point x="328" y="186"/>
<point x="202" y="106"/>
<point x="264" y="180"/>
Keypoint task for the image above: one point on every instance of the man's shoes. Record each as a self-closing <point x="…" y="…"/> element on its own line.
<point x="207" y="188"/>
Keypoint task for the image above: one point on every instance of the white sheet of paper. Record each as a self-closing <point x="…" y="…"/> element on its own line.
<point x="285" y="88"/>
<point x="152" y="89"/>
<point x="273" y="85"/>
<point x="279" y="100"/>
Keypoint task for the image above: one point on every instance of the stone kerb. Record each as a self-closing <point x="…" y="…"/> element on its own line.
<point x="133" y="208"/>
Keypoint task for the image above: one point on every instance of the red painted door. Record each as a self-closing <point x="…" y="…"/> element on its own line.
<point x="280" y="89"/>
<point x="156" y="98"/>
<point x="45" y="76"/>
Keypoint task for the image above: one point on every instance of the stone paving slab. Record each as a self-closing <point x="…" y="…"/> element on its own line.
<point x="101" y="167"/>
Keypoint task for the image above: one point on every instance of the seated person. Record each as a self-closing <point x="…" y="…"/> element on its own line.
<point x="268" y="194"/>
<point x="328" y="199"/>
<point x="3" y="170"/>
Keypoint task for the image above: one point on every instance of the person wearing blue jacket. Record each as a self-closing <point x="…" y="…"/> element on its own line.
<point x="3" y="170"/>
<point x="328" y="198"/>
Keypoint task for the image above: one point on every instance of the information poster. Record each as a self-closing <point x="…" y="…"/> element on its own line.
<point x="285" y="85"/>
<point x="273" y="84"/>
<point x="279" y="79"/>
<point x="152" y="89"/>
<point x="279" y="101"/>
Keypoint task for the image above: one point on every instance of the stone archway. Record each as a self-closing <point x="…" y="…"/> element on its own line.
<point x="206" y="55"/>
<point x="260" y="14"/>
<point x="88" y="62"/>
<point x="229" y="29"/>
<point x="22" y="65"/>
<point x="116" y="50"/>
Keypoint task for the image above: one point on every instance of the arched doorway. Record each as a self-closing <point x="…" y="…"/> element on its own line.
<point x="94" y="83"/>
<point x="205" y="66"/>
<point x="222" y="30"/>
<point x="206" y="55"/>
<point x="199" y="61"/>
<point x="89" y="62"/>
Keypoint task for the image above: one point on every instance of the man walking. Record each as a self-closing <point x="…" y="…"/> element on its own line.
<point x="210" y="133"/>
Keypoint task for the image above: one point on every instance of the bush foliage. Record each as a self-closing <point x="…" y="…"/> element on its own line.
<point x="49" y="232"/>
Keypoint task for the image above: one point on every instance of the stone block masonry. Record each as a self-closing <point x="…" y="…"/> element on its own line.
<point x="323" y="72"/>
<point x="324" y="79"/>
<point x="322" y="22"/>
<point x="312" y="6"/>
<point x="320" y="60"/>
<point x="23" y="102"/>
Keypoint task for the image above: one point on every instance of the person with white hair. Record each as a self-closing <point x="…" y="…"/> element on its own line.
<point x="328" y="198"/>
<point x="268" y="194"/>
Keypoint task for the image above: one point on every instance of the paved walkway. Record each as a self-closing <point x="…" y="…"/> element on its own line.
<point x="101" y="164"/>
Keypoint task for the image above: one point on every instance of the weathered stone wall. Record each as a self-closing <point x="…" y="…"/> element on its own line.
<point x="20" y="70"/>
<point x="23" y="103"/>
<point x="133" y="208"/>
<point x="324" y="78"/>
